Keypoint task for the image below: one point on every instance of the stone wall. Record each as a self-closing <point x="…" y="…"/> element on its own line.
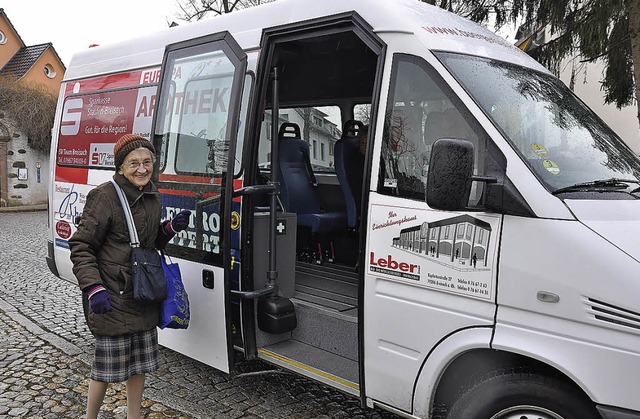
<point x="26" y="172"/>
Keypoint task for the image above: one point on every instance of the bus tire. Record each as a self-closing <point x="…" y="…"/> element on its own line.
<point x="514" y="394"/>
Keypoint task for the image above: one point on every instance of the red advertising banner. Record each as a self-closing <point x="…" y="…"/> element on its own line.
<point x="92" y="123"/>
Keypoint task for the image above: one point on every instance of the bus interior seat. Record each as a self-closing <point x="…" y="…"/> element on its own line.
<point x="349" y="167"/>
<point x="298" y="187"/>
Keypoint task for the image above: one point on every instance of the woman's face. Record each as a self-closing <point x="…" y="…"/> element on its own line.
<point x="138" y="167"/>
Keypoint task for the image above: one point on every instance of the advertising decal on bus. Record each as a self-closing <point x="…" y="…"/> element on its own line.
<point x="95" y="114"/>
<point x="92" y="123"/>
<point x="69" y="200"/>
<point x="454" y="254"/>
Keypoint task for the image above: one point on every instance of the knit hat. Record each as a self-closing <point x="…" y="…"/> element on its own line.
<point x="126" y="144"/>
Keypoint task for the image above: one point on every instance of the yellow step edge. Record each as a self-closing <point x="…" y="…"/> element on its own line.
<point x="310" y="369"/>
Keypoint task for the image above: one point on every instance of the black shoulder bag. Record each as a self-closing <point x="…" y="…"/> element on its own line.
<point x="147" y="274"/>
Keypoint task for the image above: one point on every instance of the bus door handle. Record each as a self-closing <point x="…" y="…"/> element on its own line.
<point x="208" y="279"/>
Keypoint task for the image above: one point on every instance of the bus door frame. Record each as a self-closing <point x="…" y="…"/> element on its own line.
<point x="233" y="51"/>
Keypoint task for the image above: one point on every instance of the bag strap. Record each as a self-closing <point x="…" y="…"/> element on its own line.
<point x="133" y="233"/>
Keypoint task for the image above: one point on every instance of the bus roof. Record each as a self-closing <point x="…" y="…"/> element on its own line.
<point x="436" y="28"/>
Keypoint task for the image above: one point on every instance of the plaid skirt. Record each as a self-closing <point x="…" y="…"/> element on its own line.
<point x="117" y="358"/>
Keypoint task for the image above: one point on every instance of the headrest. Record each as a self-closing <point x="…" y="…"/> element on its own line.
<point x="351" y="128"/>
<point x="289" y="130"/>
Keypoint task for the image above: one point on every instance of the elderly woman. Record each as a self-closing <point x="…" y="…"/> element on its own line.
<point x="125" y="329"/>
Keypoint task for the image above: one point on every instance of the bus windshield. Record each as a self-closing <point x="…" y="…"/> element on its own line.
<point x="563" y="142"/>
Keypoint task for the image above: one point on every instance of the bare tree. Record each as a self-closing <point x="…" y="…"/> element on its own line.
<point x="32" y="108"/>
<point x="193" y="10"/>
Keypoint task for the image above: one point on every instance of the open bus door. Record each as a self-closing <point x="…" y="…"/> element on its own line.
<point x="197" y="118"/>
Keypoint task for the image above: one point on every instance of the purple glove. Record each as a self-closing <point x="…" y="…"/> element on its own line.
<point x="99" y="300"/>
<point x="179" y="222"/>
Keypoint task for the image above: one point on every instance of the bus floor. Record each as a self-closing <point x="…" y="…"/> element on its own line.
<point x="324" y="344"/>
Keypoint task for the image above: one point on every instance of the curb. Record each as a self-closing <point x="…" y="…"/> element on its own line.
<point x="24" y="208"/>
<point x="51" y="338"/>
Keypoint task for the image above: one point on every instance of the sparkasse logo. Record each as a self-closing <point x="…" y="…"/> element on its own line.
<point x="102" y="155"/>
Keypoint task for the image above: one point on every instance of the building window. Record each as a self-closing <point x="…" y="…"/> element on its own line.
<point x="331" y="147"/>
<point x="322" y="151"/>
<point x="315" y="147"/>
<point x="3" y="38"/>
<point x="49" y="71"/>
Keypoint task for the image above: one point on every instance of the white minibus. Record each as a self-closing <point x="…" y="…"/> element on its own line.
<point x="385" y="197"/>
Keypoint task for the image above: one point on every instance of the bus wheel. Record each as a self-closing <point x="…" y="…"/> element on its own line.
<point x="511" y="394"/>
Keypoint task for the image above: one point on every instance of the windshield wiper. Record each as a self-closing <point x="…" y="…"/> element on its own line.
<point x="612" y="183"/>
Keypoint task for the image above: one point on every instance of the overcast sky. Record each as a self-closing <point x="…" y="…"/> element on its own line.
<point x="73" y="25"/>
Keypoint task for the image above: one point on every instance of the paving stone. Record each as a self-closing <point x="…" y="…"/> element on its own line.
<point x="46" y="350"/>
<point x="20" y="411"/>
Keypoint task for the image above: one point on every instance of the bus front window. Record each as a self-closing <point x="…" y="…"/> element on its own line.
<point x="561" y="140"/>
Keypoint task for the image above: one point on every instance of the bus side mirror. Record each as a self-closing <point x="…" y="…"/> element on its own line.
<point x="450" y="174"/>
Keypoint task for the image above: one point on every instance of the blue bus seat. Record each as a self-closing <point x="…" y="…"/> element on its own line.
<point x="349" y="165"/>
<point x="298" y="186"/>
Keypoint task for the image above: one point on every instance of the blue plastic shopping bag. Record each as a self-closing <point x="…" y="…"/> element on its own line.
<point x="174" y="311"/>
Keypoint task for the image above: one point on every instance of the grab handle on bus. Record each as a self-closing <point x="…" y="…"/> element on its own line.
<point x="255" y="294"/>
<point x="256" y="190"/>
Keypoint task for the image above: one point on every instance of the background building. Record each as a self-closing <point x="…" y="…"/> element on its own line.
<point x="315" y="127"/>
<point x="587" y="86"/>
<point x="24" y="171"/>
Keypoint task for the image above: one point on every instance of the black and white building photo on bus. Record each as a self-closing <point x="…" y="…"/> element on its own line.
<point x="461" y="242"/>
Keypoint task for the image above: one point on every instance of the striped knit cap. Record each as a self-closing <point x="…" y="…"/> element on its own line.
<point x="126" y="144"/>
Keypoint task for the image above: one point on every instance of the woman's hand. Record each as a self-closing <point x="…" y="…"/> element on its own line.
<point x="99" y="300"/>
<point x="179" y="222"/>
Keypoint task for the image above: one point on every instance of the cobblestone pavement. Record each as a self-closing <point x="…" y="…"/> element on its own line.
<point x="46" y="349"/>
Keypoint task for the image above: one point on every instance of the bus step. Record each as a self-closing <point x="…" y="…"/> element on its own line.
<point x="336" y="333"/>
<point x="331" y="369"/>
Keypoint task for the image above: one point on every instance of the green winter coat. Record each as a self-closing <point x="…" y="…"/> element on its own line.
<point x="101" y="254"/>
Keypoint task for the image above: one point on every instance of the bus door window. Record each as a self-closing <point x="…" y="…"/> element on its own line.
<point x="195" y="123"/>
<point x="421" y="109"/>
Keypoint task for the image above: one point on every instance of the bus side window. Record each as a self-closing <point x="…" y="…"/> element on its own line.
<point x="318" y="126"/>
<point x="421" y="109"/>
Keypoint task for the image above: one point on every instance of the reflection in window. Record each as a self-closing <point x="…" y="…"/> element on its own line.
<point x="203" y="143"/>
<point x="421" y="110"/>
<point x="561" y="140"/>
<point x="196" y="111"/>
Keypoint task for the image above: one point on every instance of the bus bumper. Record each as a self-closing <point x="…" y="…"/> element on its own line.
<point x="51" y="261"/>
<point x="608" y="412"/>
